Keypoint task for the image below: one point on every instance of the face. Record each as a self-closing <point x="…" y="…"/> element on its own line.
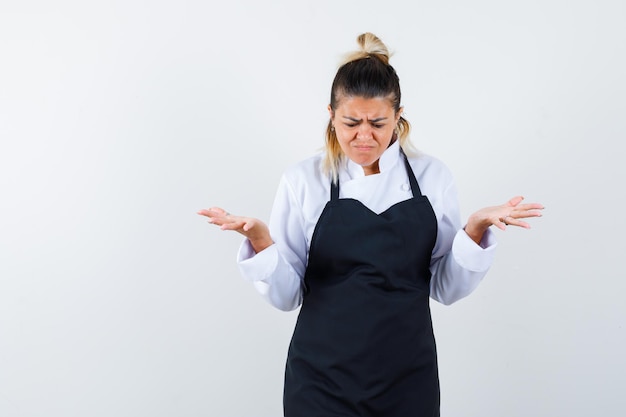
<point x="364" y="128"/>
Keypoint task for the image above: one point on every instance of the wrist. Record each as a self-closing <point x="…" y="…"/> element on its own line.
<point x="475" y="233"/>
<point x="260" y="244"/>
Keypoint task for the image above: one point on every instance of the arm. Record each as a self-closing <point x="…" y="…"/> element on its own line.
<point x="277" y="271"/>
<point x="462" y="256"/>
<point x="458" y="263"/>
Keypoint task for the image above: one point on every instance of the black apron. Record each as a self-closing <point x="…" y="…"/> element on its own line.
<point x="363" y="344"/>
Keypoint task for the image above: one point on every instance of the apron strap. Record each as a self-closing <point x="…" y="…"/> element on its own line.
<point x="415" y="188"/>
<point x="334" y="190"/>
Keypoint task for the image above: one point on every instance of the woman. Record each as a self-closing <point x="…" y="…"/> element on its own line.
<point x="360" y="236"/>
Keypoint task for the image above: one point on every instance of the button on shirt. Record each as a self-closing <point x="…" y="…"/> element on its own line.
<point x="457" y="265"/>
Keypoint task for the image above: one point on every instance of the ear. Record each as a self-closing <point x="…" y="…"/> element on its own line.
<point x="331" y="113"/>
<point x="399" y="114"/>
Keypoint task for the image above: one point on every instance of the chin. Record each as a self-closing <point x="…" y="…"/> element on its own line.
<point x="364" y="162"/>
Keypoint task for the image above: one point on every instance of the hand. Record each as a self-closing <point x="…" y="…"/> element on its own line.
<point x="508" y="214"/>
<point x="255" y="230"/>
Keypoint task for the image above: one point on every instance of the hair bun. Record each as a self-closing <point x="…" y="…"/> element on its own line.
<point x="370" y="46"/>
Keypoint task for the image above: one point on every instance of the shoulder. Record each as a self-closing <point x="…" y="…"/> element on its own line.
<point x="306" y="178"/>
<point x="437" y="183"/>
<point x="429" y="168"/>
<point x="306" y="171"/>
<point x="435" y="180"/>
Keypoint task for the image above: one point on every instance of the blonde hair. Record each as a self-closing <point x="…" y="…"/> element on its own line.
<point x="364" y="73"/>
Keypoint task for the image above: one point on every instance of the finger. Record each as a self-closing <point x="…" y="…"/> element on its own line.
<point x="233" y="224"/>
<point x="519" y="223"/>
<point x="515" y="201"/>
<point x="209" y="213"/>
<point x="249" y="225"/>
<point x="529" y="206"/>
<point x="204" y="212"/>
<point x="523" y="214"/>
<point x="527" y="214"/>
<point x="220" y="211"/>
<point x="222" y="220"/>
<point x="500" y="223"/>
<point x="213" y="212"/>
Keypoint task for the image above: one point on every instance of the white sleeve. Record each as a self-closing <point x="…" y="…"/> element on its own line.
<point x="277" y="271"/>
<point x="458" y="264"/>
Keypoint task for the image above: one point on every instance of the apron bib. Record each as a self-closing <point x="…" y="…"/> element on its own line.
<point x="363" y="344"/>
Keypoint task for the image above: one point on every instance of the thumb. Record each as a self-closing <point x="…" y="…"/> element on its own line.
<point x="515" y="201"/>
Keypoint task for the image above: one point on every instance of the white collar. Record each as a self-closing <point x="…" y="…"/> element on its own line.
<point x="387" y="161"/>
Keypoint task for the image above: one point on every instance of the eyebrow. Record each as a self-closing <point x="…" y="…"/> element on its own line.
<point x="380" y="119"/>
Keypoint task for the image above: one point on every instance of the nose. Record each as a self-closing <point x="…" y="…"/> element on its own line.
<point x="364" y="132"/>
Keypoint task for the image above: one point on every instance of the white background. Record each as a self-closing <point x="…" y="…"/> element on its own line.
<point x="120" y="119"/>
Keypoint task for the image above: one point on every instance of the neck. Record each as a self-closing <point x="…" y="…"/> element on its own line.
<point x="371" y="169"/>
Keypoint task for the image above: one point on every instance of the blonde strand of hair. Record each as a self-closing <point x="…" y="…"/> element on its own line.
<point x="370" y="45"/>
